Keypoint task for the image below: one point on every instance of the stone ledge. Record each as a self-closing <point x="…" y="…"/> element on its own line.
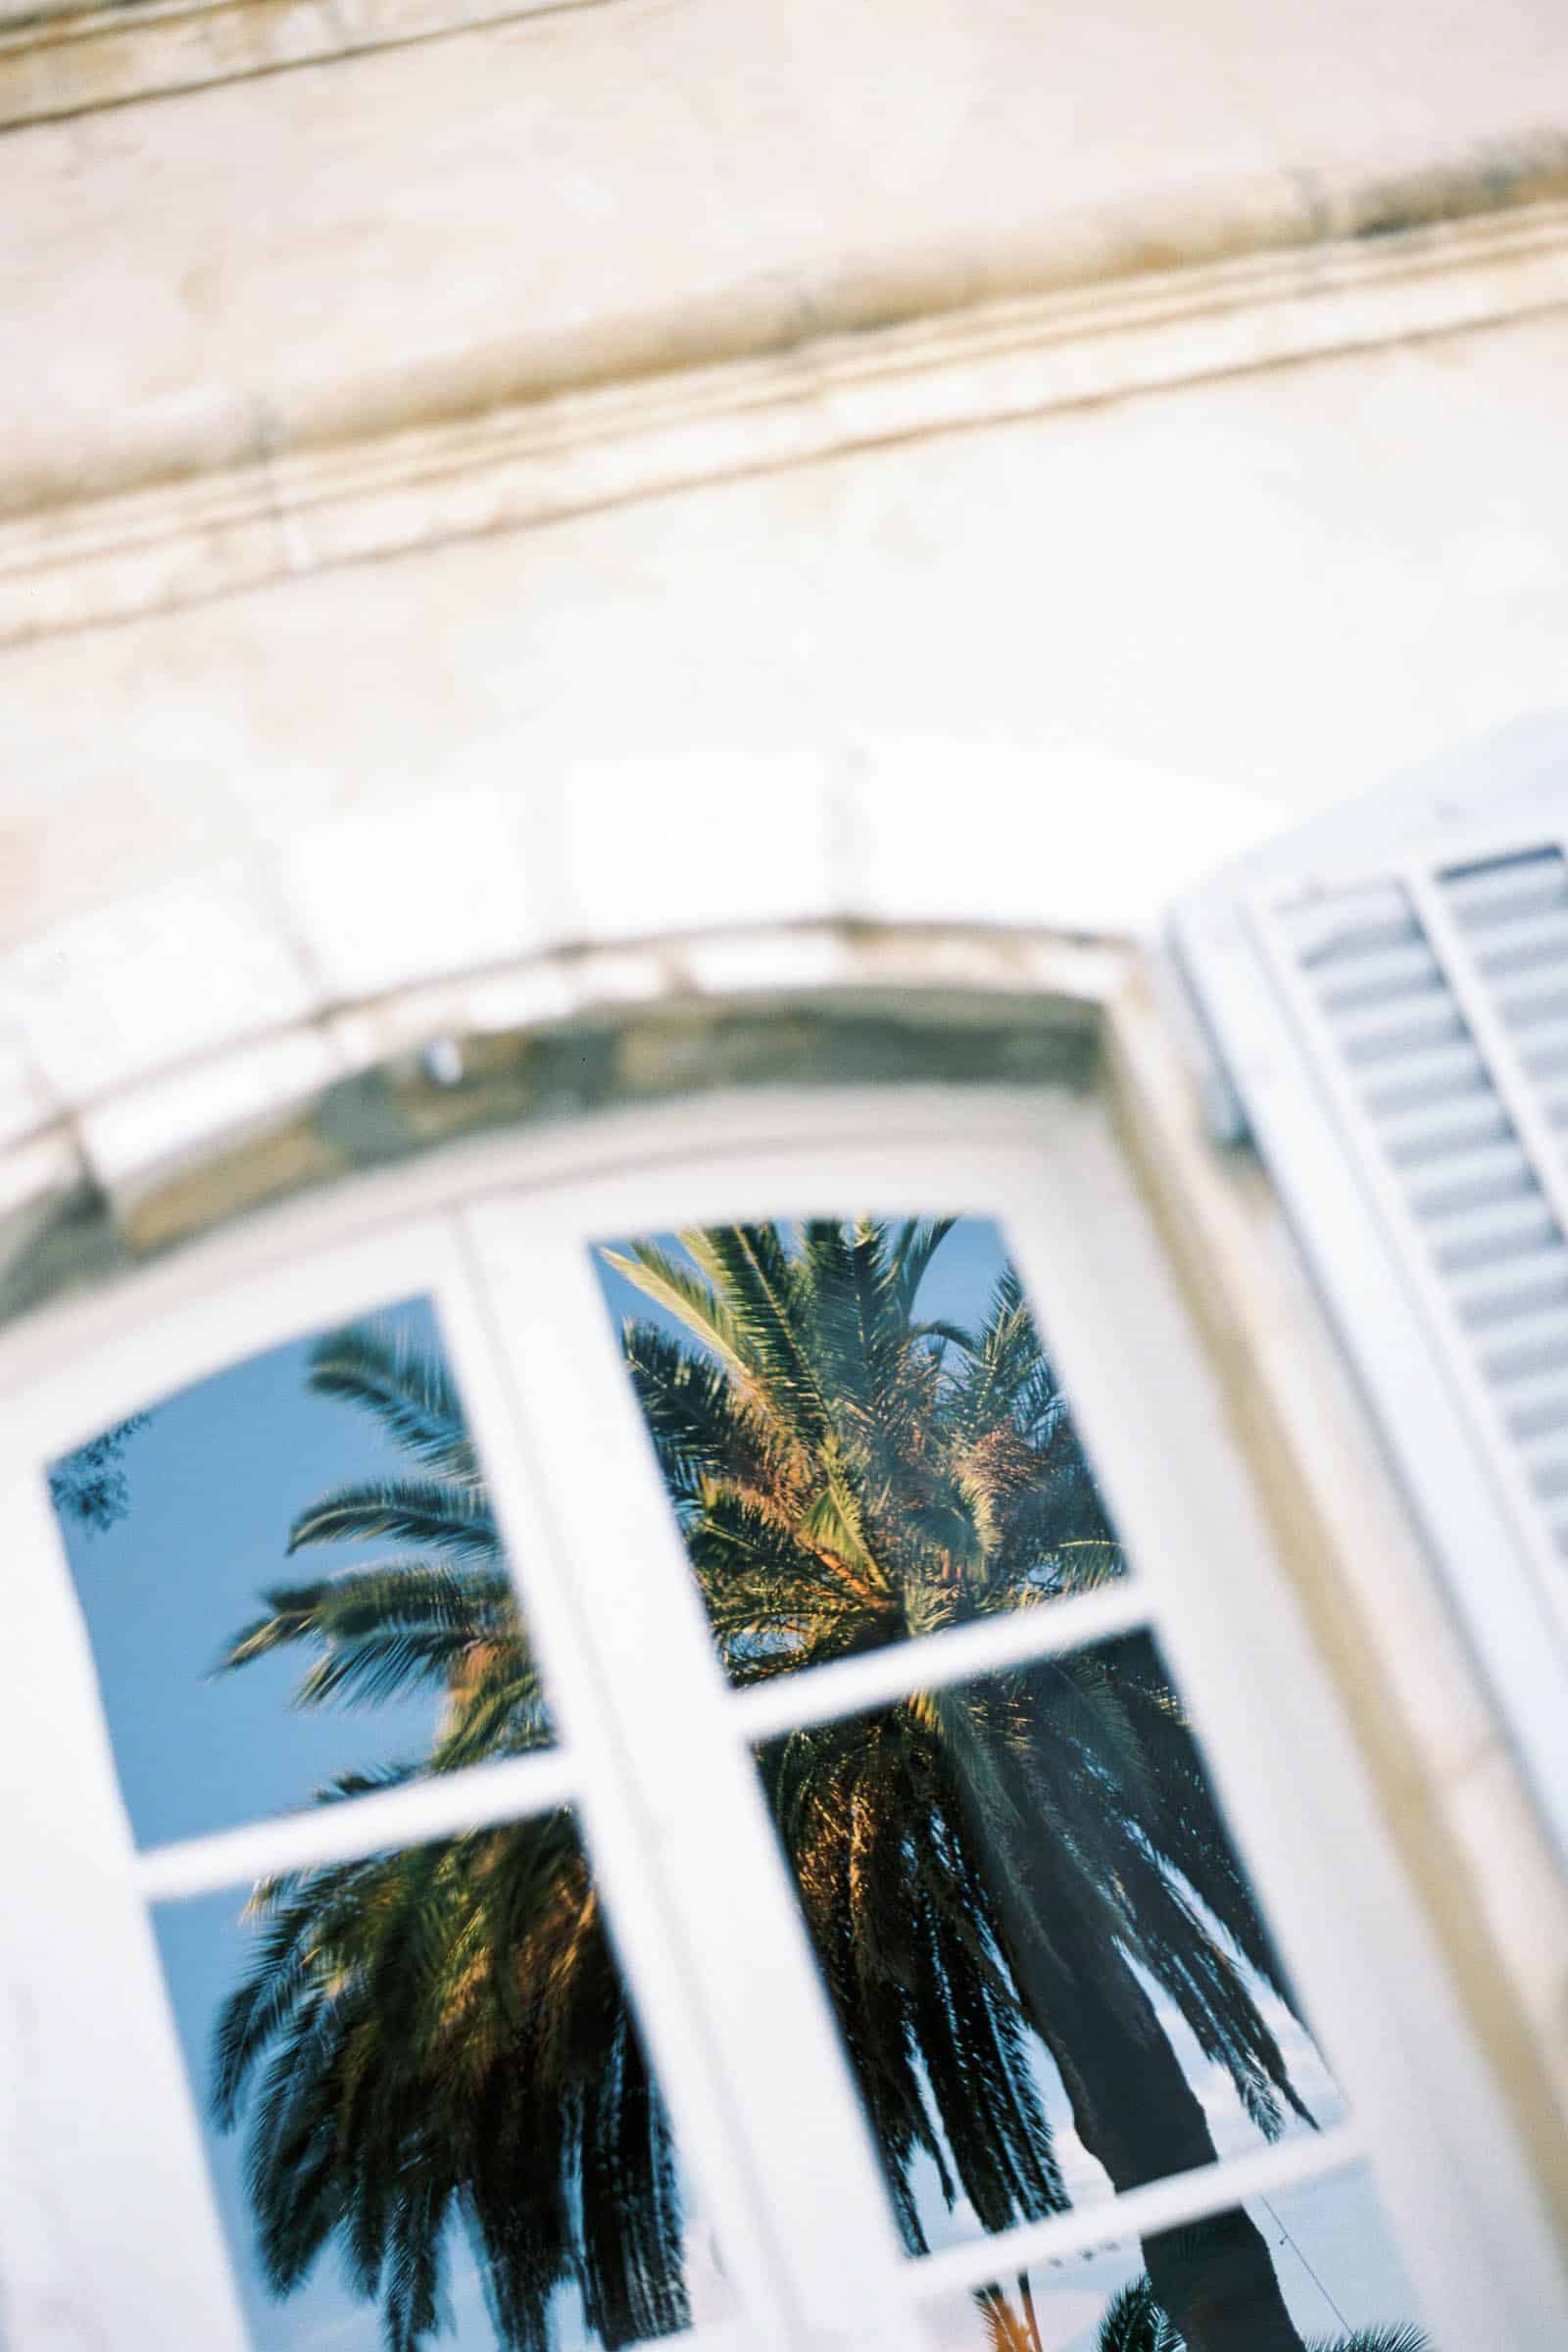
<point x="224" y="430"/>
<point x="1335" y="273"/>
<point x="67" y="60"/>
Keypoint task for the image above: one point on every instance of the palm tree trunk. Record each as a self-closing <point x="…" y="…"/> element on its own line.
<point x="1217" y="2282"/>
<point x="1137" y="2113"/>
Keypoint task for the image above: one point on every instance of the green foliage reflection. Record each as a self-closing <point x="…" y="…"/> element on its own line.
<point x="1030" y="1861"/>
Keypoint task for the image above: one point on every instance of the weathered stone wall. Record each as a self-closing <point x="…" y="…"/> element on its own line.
<point x="579" y="191"/>
<point x="1051" y="672"/>
<point x="798" y="428"/>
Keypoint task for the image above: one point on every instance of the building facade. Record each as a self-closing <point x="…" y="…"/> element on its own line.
<point x="620" y="617"/>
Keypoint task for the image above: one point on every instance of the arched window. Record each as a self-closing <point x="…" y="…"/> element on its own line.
<point x="839" y="1833"/>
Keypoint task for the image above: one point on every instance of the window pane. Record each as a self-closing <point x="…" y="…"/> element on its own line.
<point x="1312" y="2266"/>
<point x="1047" y="1963"/>
<point x="859" y="1430"/>
<point x="293" y="1584"/>
<point x="424" y="2093"/>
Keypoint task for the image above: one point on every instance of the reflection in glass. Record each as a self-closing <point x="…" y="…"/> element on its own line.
<point x="859" y="1430"/>
<point x="428" y="2055"/>
<point x="429" y="2068"/>
<point x="1344" y="2286"/>
<point x="304" y="1537"/>
<point x="1047" y="1966"/>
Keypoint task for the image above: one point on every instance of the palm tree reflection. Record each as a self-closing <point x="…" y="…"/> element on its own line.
<point x="1029" y="1863"/>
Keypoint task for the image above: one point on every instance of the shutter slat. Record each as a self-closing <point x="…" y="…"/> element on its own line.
<point x="1536" y="1344"/>
<point x="1496" y="1173"/>
<point x="1472" y="1122"/>
<point x="1536" y="1009"/>
<point x="1505" y="890"/>
<point x="1383" y="976"/>
<point x="1382" y="1034"/>
<point x="1544" y="1050"/>
<point x="1525" y="1285"/>
<point x="1352" y="922"/>
<point x="1387" y="1036"/>
<point x="1547" y="1466"/>
<point x="1535" y="1407"/>
<point x="1447" y="1073"/>
<point x="1498" y="1230"/>
<point x="1530" y="943"/>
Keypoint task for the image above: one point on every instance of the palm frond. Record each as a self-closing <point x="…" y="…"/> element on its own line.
<point x="451" y="1519"/>
<point x="909" y="1258"/>
<point x="759" y="1298"/>
<point x="681" y="1294"/>
<point x="1403" y="2338"/>
<point x="406" y="1387"/>
<point x="701" y="1429"/>
<point x="1134" y="2322"/>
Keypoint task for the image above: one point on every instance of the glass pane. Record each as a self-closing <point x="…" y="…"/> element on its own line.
<point x="1313" y="2266"/>
<point x="293" y="1584"/>
<point x="859" y="1430"/>
<point x="426" y="2101"/>
<point x="1047" y="1963"/>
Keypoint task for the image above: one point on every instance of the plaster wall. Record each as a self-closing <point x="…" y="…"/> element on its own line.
<point x="1050" y="670"/>
<point x="574" y="191"/>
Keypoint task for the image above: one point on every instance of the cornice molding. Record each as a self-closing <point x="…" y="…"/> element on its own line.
<point x="467" y="462"/>
<point x="61" y="61"/>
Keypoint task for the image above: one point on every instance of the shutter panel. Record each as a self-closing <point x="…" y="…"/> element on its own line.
<point x="1388" y="996"/>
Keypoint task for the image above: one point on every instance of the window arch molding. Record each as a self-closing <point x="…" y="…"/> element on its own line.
<point x="91" y="1348"/>
<point x="116" y="1177"/>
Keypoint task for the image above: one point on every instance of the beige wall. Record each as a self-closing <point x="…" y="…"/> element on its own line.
<point x="1248" y="506"/>
<point x="1045" y="671"/>
<point x="195" y="277"/>
<point x="638" y="468"/>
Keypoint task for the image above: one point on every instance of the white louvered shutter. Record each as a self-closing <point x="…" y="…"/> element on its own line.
<point x="1388" y="998"/>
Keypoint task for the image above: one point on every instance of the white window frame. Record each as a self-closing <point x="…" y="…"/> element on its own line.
<point x="105" y="2213"/>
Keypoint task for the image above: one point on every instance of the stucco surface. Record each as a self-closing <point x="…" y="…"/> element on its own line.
<point x="213" y="274"/>
<point x="1046" y="672"/>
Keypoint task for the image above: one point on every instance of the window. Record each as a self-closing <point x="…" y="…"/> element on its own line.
<point x="863" y="1779"/>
